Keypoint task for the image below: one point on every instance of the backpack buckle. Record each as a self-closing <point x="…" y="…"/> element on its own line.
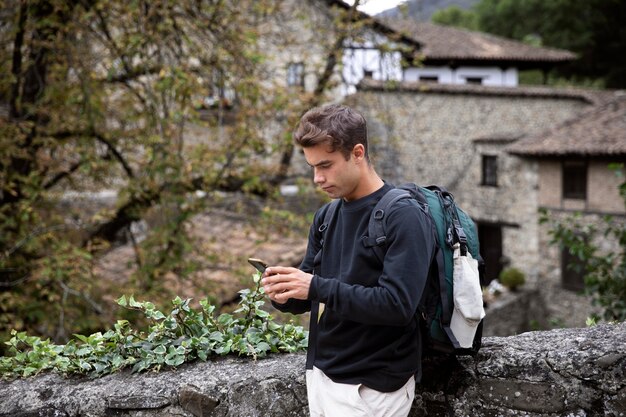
<point x="370" y="242"/>
<point x="379" y="214"/>
<point x="460" y="233"/>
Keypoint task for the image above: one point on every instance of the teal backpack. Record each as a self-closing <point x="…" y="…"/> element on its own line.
<point x="452" y="225"/>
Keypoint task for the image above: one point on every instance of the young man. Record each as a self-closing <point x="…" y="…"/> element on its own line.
<point x="364" y="343"/>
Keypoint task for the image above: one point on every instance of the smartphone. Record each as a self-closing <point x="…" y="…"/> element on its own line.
<point x="258" y="264"/>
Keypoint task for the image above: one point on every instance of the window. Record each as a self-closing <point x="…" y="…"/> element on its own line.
<point x="575" y="180"/>
<point x="490" y="170"/>
<point x="220" y="94"/>
<point x="295" y="74"/>
<point x="474" y="80"/>
<point x="429" y="79"/>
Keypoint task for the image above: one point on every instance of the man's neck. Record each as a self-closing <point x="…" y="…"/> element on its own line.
<point x="369" y="184"/>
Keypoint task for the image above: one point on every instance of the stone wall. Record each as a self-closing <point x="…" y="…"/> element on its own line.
<point x="566" y="372"/>
<point x="516" y="312"/>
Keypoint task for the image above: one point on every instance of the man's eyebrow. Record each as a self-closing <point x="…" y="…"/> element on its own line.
<point x="323" y="162"/>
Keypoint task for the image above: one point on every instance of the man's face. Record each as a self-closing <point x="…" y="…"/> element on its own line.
<point x="334" y="174"/>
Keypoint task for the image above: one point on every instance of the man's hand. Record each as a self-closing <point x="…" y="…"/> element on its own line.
<point x="282" y="283"/>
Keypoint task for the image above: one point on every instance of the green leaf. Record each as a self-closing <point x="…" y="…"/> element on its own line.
<point x="133" y="303"/>
<point x="160" y="350"/>
<point x="122" y="301"/>
<point x="83" y="351"/>
<point x="225" y="319"/>
<point x="175" y="360"/>
<point x="262" y="314"/>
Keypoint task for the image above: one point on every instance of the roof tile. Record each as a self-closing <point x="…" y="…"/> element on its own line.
<point x="601" y="131"/>
<point x="445" y="42"/>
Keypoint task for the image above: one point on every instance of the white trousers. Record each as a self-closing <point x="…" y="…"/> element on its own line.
<point x="330" y="399"/>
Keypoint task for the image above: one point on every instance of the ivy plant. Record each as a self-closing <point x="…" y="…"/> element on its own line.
<point x="183" y="335"/>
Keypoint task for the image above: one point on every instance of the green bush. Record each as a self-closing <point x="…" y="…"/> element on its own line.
<point x="183" y="335"/>
<point x="512" y="278"/>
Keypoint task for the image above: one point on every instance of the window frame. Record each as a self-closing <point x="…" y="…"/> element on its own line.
<point x="295" y="74"/>
<point x="428" y="79"/>
<point x="574" y="179"/>
<point x="478" y="80"/>
<point x="489" y="179"/>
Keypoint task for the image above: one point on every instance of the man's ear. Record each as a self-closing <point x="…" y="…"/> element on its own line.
<point x="358" y="152"/>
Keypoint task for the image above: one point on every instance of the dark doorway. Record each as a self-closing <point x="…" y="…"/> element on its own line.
<point x="490" y="238"/>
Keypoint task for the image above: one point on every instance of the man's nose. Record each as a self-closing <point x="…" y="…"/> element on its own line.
<point x="318" y="178"/>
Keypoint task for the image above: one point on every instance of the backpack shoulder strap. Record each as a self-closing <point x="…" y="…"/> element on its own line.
<point x="376" y="235"/>
<point x="328" y="217"/>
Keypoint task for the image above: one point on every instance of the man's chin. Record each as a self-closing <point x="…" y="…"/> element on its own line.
<point x="332" y="192"/>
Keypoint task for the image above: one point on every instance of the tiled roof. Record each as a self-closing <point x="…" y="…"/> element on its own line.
<point x="438" y="43"/>
<point x="601" y="131"/>
<point x="588" y="96"/>
<point x="498" y="137"/>
<point x="445" y="43"/>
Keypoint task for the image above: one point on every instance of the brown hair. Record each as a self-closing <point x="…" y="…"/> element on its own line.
<point x="340" y="126"/>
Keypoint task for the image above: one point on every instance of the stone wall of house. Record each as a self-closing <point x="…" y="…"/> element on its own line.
<point x="299" y="32"/>
<point x="566" y="372"/>
<point x="432" y="135"/>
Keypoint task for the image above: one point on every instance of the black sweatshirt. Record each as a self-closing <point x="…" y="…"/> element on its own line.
<point x="367" y="333"/>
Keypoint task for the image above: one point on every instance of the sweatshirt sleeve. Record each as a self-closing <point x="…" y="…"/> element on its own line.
<point x="394" y="300"/>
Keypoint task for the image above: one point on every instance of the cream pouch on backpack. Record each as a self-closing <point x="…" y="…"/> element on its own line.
<point x="468" y="298"/>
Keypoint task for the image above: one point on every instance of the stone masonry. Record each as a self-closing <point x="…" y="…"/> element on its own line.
<point x="566" y="372"/>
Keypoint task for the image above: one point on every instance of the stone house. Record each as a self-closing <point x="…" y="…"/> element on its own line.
<point x="458" y="56"/>
<point x="458" y="136"/>
<point x="393" y="50"/>
<point x="573" y="162"/>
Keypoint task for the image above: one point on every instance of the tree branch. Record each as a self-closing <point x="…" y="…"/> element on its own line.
<point x="16" y="66"/>
<point x="61" y="175"/>
<point x="134" y="208"/>
<point x="35" y="233"/>
<point x="318" y="93"/>
<point x="99" y="137"/>
<point x="131" y="74"/>
<point x="113" y="150"/>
